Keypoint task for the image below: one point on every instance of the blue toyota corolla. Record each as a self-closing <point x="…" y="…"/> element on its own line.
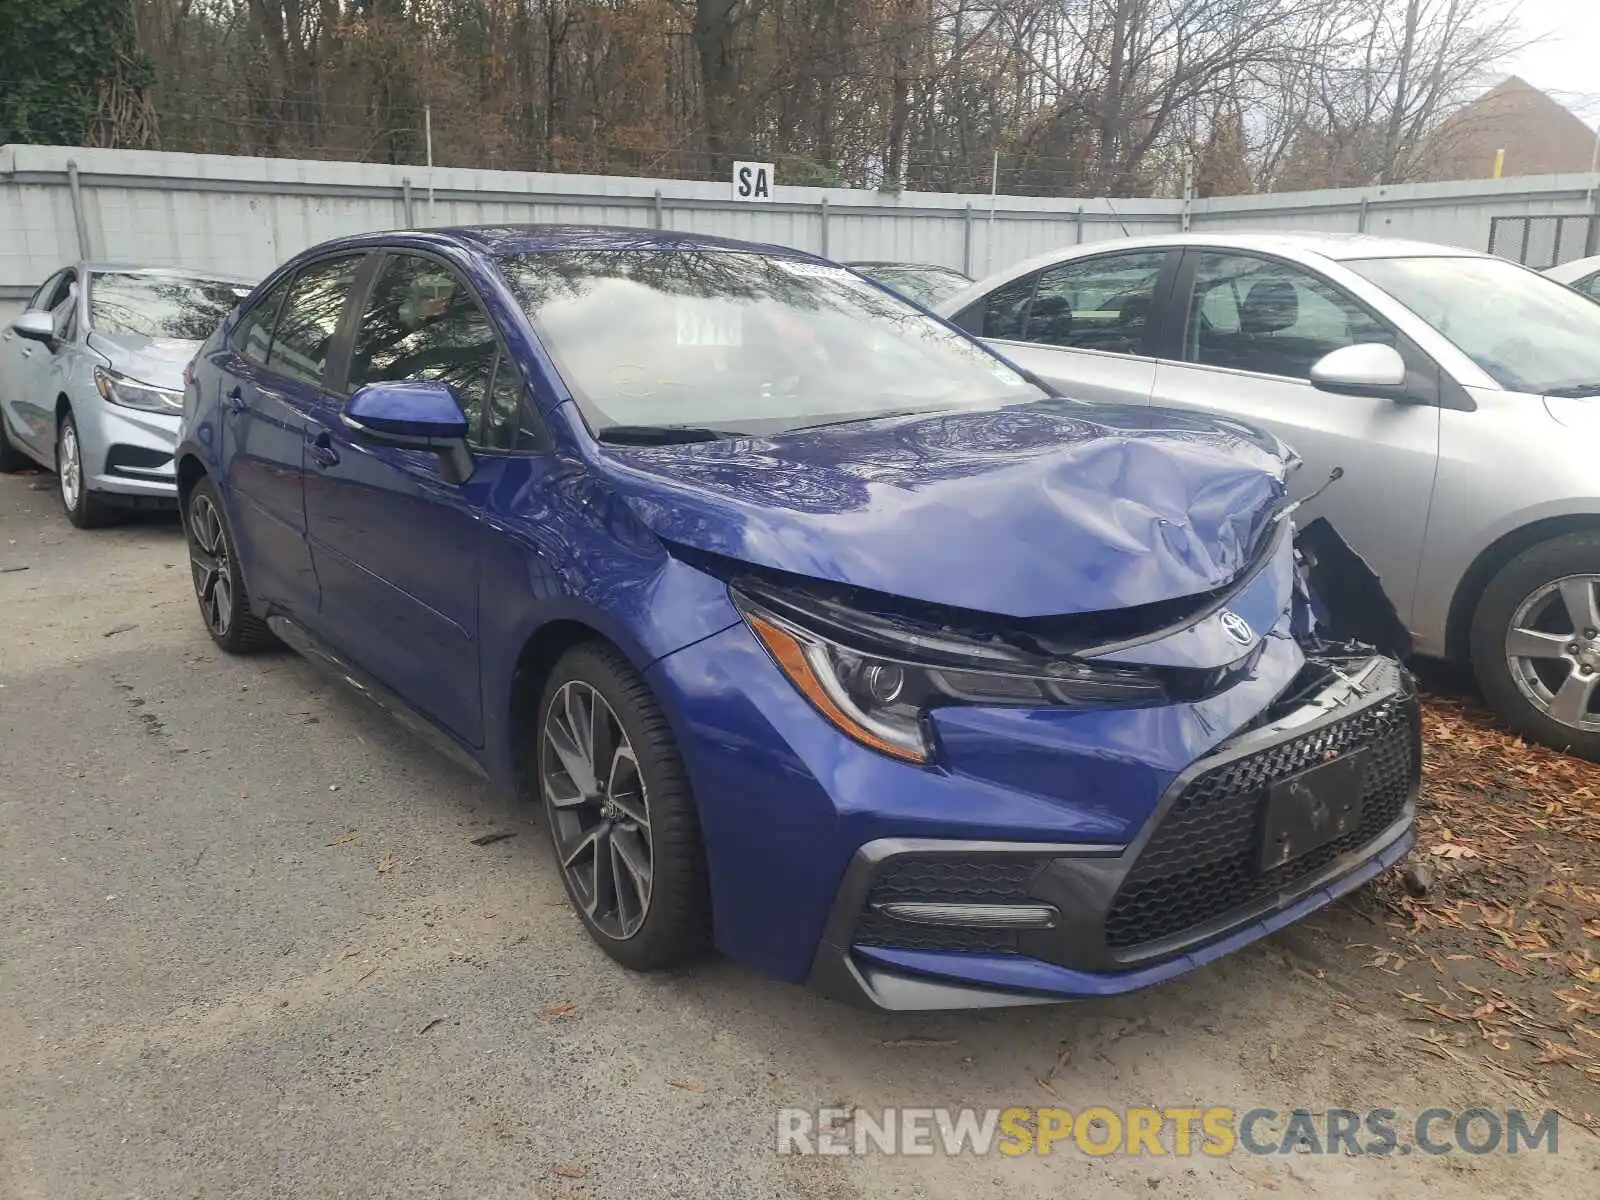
<point x="820" y="634"/>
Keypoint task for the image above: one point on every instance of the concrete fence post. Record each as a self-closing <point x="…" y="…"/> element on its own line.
<point x="79" y="223"/>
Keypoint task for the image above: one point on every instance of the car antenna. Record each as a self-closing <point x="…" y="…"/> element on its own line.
<point x="1333" y="477"/>
<point x="1117" y="215"/>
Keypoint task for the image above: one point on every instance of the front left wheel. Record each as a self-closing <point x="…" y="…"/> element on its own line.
<point x="622" y="819"/>
<point x="1536" y="643"/>
<point x="84" y="509"/>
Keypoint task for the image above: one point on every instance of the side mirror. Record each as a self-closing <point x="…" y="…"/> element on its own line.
<point x="1368" y="369"/>
<point x="414" y="414"/>
<point x="36" y="326"/>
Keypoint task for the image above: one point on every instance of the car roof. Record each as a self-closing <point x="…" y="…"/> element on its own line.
<point x="535" y="239"/>
<point x="1335" y="246"/>
<point x="1332" y="247"/>
<point x="1571" y="272"/>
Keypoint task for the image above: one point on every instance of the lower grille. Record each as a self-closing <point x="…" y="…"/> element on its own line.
<point x="123" y="460"/>
<point x="945" y="881"/>
<point x="1201" y="862"/>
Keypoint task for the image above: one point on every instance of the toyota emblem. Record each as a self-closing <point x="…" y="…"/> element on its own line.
<point x="1237" y="628"/>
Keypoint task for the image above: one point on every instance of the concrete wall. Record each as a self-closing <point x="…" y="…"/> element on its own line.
<point x="245" y="215"/>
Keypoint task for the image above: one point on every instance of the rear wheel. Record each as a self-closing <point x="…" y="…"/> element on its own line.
<point x="84" y="508"/>
<point x="1536" y="643"/>
<point x="622" y="819"/>
<point x="218" y="584"/>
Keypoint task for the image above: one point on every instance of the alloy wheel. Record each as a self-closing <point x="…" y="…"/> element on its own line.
<point x="598" y="809"/>
<point x="1553" y="650"/>
<point x="69" y="465"/>
<point x="208" y="559"/>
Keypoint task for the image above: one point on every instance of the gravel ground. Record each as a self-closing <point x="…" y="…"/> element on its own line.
<point x="249" y="948"/>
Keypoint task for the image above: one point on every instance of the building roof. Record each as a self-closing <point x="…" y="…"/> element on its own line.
<point x="1538" y="134"/>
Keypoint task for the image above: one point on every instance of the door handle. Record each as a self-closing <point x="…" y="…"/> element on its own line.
<point x="322" y="451"/>
<point x="235" y="400"/>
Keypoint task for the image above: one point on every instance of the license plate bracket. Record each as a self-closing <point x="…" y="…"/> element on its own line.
<point x="1312" y="808"/>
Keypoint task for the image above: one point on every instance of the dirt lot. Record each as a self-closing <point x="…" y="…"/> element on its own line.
<point x="249" y="948"/>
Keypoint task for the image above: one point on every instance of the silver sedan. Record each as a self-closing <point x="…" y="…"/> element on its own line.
<point x="91" y="381"/>
<point x="1459" y="393"/>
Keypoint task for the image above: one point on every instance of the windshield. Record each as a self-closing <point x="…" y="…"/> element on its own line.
<point x="1529" y="333"/>
<point x="743" y="342"/>
<point x="160" y="306"/>
<point x="926" y="285"/>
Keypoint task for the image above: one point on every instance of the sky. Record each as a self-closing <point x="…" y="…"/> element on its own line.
<point x="1564" y="62"/>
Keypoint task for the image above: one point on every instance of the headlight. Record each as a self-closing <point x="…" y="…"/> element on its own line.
<point x="880" y="699"/>
<point x="119" y="389"/>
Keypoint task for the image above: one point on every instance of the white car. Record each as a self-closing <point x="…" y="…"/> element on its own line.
<point x="1582" y="275"/>
<point x="1458" y="392"/>
<point x="91" y="381"/>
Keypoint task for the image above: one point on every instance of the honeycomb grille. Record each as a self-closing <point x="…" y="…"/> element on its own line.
<point x="945" y="881"/>
<point x="1202" y="861"/>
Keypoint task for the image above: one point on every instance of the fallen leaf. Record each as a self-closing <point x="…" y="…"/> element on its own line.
<point x="1453" y="850"/>
<point x="490" y="839"/>
<point x="431" y="1024"/>
<point x="346" y="839"/>
<point x="559" y="1010"/>
<point x="687" y="1085"/>
<point x="387" y="863"/>
<point x="569" y="1170"/>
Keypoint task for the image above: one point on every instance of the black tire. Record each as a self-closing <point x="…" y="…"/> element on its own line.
<point x="84" y="508"/>
<point x="1506" y="687"/>
<point x="218" y="583"/>
<point x="676" y="924"/>
<point x="12" y="459"/>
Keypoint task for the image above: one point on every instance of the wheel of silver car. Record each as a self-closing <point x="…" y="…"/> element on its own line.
<point x="84" y="509"/>
<point x="1536" y="643"/>
<point x="69" y="466"/>
<point x="218" y="582"/>
<point x="622" y="819"/>
<point x="1553" y="650"/>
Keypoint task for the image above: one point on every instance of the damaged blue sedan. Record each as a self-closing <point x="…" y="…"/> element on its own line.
<point x="817" y="632"/>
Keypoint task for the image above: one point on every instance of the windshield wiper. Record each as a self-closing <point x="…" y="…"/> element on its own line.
<point x="663" y="435"/>
<point x="877" y="416"/>
<point x="1576" y="391"/>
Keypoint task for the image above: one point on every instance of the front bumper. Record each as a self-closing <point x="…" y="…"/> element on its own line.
<point x="1186" y="891"/>
<point x="128" y="453"/>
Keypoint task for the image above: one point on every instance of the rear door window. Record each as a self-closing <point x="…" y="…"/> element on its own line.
<point x="304" y="335"/>
<point x="1102" y="303"/>
<point x="1002" y="313"/>
<point x="252" y="335"/>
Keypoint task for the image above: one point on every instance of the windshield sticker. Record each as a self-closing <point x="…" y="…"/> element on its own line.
<point x="700" y="326"/>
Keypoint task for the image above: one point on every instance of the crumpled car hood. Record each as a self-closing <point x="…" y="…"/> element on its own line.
<point x="1045" y="509"/>
<point x="156" y="361"/>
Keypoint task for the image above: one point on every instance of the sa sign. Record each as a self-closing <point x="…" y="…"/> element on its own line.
<point x="752" y="181"/>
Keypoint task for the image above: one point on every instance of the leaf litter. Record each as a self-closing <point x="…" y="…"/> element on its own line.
<point x="1497" y="957"/>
